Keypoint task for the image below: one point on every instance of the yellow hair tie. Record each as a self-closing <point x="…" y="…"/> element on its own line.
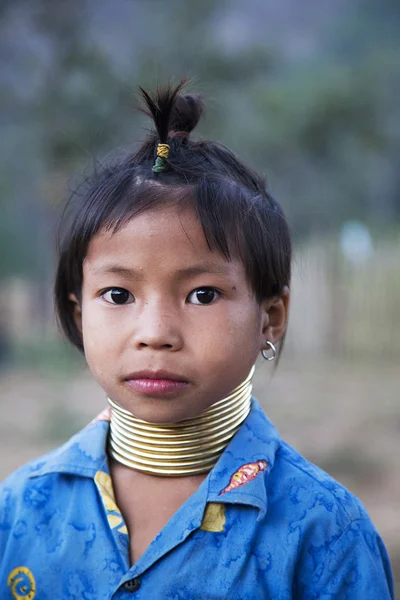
<point x="163" y="150"/>
<point x="162" y="154"/>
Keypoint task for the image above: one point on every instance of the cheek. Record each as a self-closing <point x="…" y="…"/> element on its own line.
<point x="98" y="341"/>
<point x="238" y="328"/>
<point x="235" y="337"/>
<point x="97" y="352"/>
<point x="93" y="334"/>
<point x="247" y="328"/>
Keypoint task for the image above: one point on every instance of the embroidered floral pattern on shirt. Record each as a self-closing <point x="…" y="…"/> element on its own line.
<point x="245" y="474"/>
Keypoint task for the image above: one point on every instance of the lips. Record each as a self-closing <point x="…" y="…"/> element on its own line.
<point x="157" y="375"/>
<point x="157" y="383"/>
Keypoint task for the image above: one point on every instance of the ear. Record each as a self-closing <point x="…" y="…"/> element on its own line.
<point x="77" y="312"/>
<point x="275" y="317"/>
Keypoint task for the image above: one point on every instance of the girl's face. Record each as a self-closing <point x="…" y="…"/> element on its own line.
<point x="169" y="327"/>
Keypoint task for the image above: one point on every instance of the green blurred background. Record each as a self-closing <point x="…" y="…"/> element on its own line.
<point x="306" y="92"/>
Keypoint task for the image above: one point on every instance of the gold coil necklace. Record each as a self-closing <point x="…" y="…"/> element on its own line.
<point x="187" y="447"/>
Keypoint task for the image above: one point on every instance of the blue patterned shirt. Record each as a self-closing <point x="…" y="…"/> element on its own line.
<point x="264" y="524"/>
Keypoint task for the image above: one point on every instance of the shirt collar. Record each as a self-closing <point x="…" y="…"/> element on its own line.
<point x="239" y="477"/>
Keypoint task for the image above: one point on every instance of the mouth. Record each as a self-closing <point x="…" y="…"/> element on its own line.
<point x="156" y="383"/>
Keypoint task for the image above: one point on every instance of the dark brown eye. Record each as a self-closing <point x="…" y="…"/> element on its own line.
<point x="205" y="295"/>
<point x="117" y="296"/>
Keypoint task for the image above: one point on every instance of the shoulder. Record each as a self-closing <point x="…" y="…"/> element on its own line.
<point x="328" y="529"/>
<point x="22" y="498"/>
<point x="293" y="484"/>
<point x="19" y="478"/>
<point x="309" y="526"/>
<point x="303" y="482"/>
<point x="32" y="485"/>
<point x="20" y="490"/>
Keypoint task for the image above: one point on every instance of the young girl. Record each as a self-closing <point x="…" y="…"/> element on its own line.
<point x="173" y="276"/>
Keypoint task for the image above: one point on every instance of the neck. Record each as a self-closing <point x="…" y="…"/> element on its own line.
<point x="188" y="447"/>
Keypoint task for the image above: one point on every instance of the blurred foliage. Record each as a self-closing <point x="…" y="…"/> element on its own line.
<point x="323" y="124"/>
<point x="59" y="424"/>
<point x="50" y="357"/>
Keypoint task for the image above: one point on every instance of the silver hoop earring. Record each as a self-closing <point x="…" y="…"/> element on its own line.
<point x="265" y="350"/>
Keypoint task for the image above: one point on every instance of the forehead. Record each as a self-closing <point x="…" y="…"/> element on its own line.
<point x="169" y="237"/>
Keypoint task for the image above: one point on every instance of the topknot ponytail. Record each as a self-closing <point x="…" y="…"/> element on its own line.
<point x="187" y="112"/>
<point x="171" y="112"/>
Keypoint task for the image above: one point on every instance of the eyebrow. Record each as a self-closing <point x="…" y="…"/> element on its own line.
<point x="185" y="273"/>
<point x="202" y="269"/>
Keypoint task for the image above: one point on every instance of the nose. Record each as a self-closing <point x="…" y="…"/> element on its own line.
<point x="158" y="328"/>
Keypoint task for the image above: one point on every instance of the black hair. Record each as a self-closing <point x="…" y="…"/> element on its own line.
<point x="238" y="215"/>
